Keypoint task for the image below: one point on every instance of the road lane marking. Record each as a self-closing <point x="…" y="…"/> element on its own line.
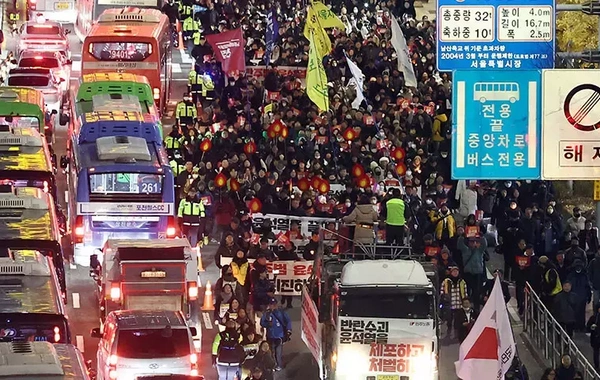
<point x="80" y="344"/>
<point x="207" y="322"/>
<point x="76" y="304"/>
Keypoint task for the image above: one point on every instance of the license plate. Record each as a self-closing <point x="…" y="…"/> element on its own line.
<point x="62" y="6"/>
<point x="388" y="377"/>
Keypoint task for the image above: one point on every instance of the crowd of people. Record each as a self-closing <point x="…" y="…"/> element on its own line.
<point x="230" y="166"/>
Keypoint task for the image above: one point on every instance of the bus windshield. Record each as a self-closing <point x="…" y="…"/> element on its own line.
<point x="120" y="51"/>
<point x="22" y="122"/>
<point x="47" y="328"/>
<point x="126" y="183"/>
<point x="396" y="305"/>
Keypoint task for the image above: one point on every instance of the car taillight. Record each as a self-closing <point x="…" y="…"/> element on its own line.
<point x="56" y="334"/>
<point x="113" y="360"/>
<point x="79" y="229"/>
<point x="156" y="93"/>
<point x="171" y="227"/>
<point x="115" y="291"/>
<point x="192" y="290"/>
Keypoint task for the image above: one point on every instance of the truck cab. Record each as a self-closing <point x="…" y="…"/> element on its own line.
<point x="154" y="274"/>
<point x="377" y="317"/>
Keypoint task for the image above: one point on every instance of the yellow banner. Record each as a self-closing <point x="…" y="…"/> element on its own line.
<point x="314" y="28"/>
<point x="327" y="18"/>
<point x="316" y="78"/>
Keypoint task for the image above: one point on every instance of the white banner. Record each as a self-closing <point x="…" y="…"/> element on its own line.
<point x="570" y="125"/>
<point x="129" y="3"/>
<point x="290" y="276"/>
<point x="106" y="208"/>
<point x="384" y="348"/>
<point x="283" y="223"/>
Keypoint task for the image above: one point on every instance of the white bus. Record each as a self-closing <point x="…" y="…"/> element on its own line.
<point x="41" y="360"/>
<point x="496" y="91"/>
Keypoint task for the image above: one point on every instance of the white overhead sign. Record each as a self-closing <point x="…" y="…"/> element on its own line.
<point x="571" y="124"/>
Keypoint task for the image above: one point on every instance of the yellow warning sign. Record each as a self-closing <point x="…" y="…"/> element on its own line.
<point x="597" y="190"/>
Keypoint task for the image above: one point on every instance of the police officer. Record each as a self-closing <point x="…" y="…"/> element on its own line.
<point x="195" y="80"/>
<point x="171" y="141"/>
<point x="176" y="166"/>
<point x="395" y="219"/>
<point x="186" y="112"/>
<point x="190" y="212"/>
<point x="227" y="352"/>
<point x="208" y="88"/>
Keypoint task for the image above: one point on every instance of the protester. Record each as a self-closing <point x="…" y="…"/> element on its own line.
<point x="474" y="256"/>
<point x="564" y="308"/>
<point x="464" y="319"/>
<point x="566" y="369"/>
<point x="279" y="329"/>
<point x="454" y="291"/>
<point x="549" y="374"/>
<point x="593" y="328"/>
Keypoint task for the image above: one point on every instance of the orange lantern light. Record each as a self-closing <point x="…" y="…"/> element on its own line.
<point x="206" y="145"/>
<point x="358" y="171"/>
<point x="255" y="205"/>
<point x="234" y="185"/>
<point x="250" y="147"/>
<point x="363" y="182"/>
<point x="277" y="127"/>
<point x="271" y="133"/>
<point x="303" y="184"/>
<point x="220" y="180"/>
<point x="285" y="132"/>
<point x="401" y="169"/>
<point x="398" y="154"/>
<point x="349" y="134"/>
<point x="316" y="182"/>
<point x="324" y="186"/>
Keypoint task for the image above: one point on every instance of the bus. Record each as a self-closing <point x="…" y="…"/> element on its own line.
<point x="496" y="91"/>
<point x="26" y="160"/>
<point x="135" y="41"/>
<point x="32" y="307"/>
<point x="120" y="187"/>
<point x="42" y="360"/>
<point x="86" y="126"/>
<point x="28" y="221"/>
<point x="88" y="11"/>
<point x="63" y="11"/>
<point x="25" y="107"/>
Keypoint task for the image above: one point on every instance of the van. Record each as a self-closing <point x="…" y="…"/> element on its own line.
<point x="137" y="343"/>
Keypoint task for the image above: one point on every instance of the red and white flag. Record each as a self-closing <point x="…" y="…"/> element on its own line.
<point x="488" y="351"/>
<point x="229" y="50"/>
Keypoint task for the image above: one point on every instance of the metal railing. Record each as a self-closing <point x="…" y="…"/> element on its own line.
<point x="548" y="336"/>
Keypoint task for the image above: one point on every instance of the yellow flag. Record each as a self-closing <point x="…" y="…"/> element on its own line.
<point x="319" y="36"/>
<point x="327" y="18"/>
<point x="316" y="79"/>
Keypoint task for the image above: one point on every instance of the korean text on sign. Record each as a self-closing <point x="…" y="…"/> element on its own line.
<point x="580" y="154"/>
<point x="394" y="358"/>
<point x="363" y="331"/>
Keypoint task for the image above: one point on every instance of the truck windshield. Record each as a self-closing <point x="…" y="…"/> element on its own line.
<point x="152" y="343"/>
<point x="397" y="305"/>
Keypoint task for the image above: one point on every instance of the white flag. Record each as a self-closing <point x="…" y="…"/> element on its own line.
<point x="359" y="81"/>
<point x="404" y="62"/>
<point x="488" y="351"/>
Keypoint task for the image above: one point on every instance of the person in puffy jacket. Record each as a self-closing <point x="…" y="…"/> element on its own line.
<point x="474" y="254"/>
<point x="363" y="216"/>
<point x="279" y="329"/>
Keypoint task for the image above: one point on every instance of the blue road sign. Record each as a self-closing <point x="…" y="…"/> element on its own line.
<point x="496" y="120"/>
<point x="495" y="34"/>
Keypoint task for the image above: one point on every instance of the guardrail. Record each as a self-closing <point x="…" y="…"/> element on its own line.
<point x="548" y="336"/>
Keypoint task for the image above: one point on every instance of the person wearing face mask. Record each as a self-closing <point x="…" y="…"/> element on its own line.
<point x="190" y="213"/>
<point x="464" y="319"/>
<point x="363" y="217"/>
<point x="580" y="285"/>
<point x="185" y="111"/>
<point x="575" y="253"/>
<point x="576" y="223"/>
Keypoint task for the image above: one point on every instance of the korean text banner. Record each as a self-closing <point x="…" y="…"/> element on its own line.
<point x="229" y="50"/>
<point x="376" y="347"/>
<point x="292" y="276"/>
<point x="496" y="125"/>
<point x="283" y="223"/>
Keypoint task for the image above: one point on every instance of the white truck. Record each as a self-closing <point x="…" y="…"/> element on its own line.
<point x="154" y="274"/>
<point x="377" y="320"/>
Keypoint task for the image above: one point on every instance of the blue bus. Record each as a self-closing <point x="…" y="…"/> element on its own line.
<point x="120" y="184"/>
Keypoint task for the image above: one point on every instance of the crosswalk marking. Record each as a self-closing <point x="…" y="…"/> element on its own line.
<point x="76" y="304"/>
<point x="207" y="322"/>
<point x="80" y="343"/>
<point x="185" y="57"/>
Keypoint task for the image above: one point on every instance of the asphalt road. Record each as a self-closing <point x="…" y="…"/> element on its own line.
<point x="82" y="307"/>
